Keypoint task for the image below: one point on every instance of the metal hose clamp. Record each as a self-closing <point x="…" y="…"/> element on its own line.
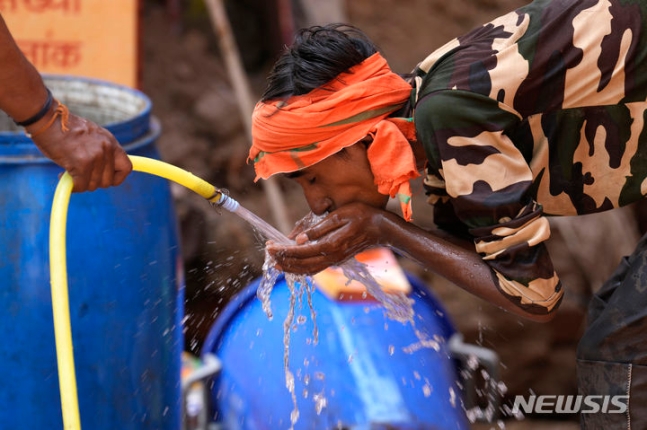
<point x="224" y="195"/>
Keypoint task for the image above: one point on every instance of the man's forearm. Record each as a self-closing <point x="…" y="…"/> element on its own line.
<point x="454" y="260"/>
<point x="22" y="92"/>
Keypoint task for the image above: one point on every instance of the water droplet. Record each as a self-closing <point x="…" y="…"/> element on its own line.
<point x="427" y="390"/>
<point x="320" y="402"/>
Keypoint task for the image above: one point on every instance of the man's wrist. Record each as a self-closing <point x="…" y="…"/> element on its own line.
<point x="61" y="111"/>
<point x="40" y="114"/>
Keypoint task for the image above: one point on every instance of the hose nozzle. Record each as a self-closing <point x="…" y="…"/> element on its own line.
<point x="221" y="199"/>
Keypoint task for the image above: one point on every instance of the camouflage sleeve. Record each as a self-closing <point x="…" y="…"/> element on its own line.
<point x="487" y="181"/>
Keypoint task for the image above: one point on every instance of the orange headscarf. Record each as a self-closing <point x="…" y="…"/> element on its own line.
<point x="289" y="135"/>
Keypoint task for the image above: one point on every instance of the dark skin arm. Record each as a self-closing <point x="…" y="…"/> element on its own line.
<point x="90" y="153"/>
<point x="355" y="227"/>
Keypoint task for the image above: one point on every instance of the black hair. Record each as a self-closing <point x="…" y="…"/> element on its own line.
<point x="317" y="55"/>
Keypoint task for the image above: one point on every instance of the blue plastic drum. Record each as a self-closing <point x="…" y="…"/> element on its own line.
<point x="124" y="271"/>
<point x="366" y="371"/>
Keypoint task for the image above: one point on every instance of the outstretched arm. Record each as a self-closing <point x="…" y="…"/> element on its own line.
<point x="90" y="153"/>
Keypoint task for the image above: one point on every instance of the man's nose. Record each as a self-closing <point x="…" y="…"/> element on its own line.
<point x="320" y="205"/>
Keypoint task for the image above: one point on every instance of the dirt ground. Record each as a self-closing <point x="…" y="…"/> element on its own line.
<point x="184" y="74"/>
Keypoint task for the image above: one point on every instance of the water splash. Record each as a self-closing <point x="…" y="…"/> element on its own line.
<point x="298" y="286"/>
<point x="264" y="291"/>
<point x="398" y="306"/>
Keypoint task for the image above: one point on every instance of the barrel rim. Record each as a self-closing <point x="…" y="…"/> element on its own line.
<point x="138" y="122"/>
<point x="32" y="154"/>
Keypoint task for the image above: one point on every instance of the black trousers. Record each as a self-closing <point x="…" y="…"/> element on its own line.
<point x="612" y="354"/>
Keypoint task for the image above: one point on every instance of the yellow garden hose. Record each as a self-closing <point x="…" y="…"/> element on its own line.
<point x="58" y="270"/>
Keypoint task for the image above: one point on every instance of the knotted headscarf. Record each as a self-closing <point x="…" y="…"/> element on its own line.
<point x="289" y="135"/>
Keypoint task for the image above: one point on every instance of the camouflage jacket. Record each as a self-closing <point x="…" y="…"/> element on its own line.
<point x="539" y="112"/>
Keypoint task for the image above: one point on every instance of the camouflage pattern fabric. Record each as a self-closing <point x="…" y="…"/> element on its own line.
<point x="539" y="112"/>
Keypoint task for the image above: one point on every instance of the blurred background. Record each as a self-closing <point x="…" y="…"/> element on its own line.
<point x="197" y="94"/>
<point x="184" y="72"/>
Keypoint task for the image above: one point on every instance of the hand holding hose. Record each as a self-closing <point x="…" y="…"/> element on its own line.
<point x="88" y="152"/>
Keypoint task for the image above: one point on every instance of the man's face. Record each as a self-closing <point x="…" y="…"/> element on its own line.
<point x="342" y="178"/>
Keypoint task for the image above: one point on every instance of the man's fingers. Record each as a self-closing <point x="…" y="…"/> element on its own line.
<point x="97" y="172"/>
<point x="123" y="166"/>
<point x="297" y="252"/>
<point x="81" y="178"/>
<point x="106" y="169"/>
<point x="306" y="266"/>
<point x="328" y="225"/>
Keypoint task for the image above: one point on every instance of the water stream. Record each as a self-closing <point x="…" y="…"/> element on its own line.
<point x="298" y="285"/>
<point x="398" y="306"/>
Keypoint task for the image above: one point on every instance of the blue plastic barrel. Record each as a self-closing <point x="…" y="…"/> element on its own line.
<point x="365" y="372"/>
<point x="124" y="271"/>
